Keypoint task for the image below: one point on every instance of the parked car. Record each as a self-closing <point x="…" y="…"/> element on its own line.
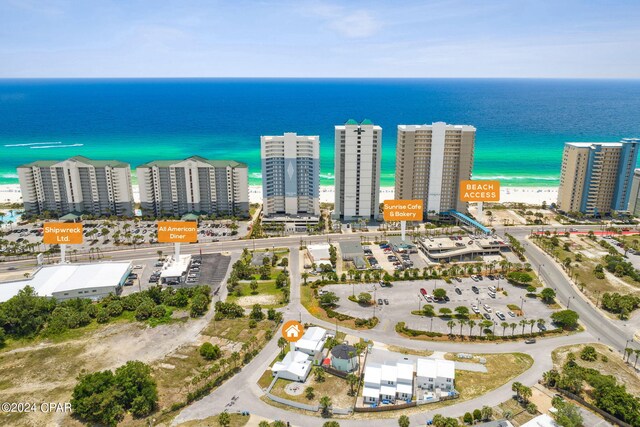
<point x="492" y="288"/>
<point x="475" y="308"/>
<point x="500" y="315"/>
<point x="511" y="313"/>
<point x="446" y="298"/>
<point x="530" y="341"/>
<point x="458" y="291"/>
<point x="486" y="316"/>
<point x="386" y="301"/>
<point x="423" y="291"/>
<point x="475" y="290"/>
<point x="380" y="301"/>
<point x="492" y="294"/>
<point x="542" y="327"/>
<point x="486" y="308"/>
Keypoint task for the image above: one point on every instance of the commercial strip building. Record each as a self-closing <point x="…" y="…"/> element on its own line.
<point x="77" y="184"/>
<point x="319" y="254"/>
<point x="596" y="177"/>
<point x="431" y="160"/>
<point x="353" y="251"/>
<point x="460" y="248"/>
<point x="67" y="281"/>
<point x="194" y="185"/>
<point x="290" y="175"/>
<point x="358" y="151"/>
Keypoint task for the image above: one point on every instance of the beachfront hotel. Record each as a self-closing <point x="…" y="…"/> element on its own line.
<point x="290" y="175"/>
<point x="194" y="185"/>
<point x="431" y="160"/>
<point x="77" y="185"/>
<point x="634" y="197"/>
<point x="596" y="177"/>
<point x="358" y="150"/>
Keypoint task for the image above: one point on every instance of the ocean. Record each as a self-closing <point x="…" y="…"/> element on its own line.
<point x="521" y="124"/>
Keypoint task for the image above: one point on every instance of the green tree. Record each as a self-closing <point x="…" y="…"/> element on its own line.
<point x="199" y="304"/>
<point x="331" y="424"/>
<point x="548" y="295"/>
<point x="254" y="286"/>
<point x="318" y="373"/>
<point x="309" y="392"/>
<point x="3" y="337"/>
<point x="256" y="312"/>
<point x="439" y="293"/>
<point x="325" y="403"/>
<point x="477" y="414"/>
<point x="487" y="413"/>
<point x="364" y="298"/>
<point x="136" y="388"/>
<point x="567" y="415"/>
<point x="403" y="421"/>
<point x="589" y="354"/>
<point x="566" y="319"/>
<point x="329" y="299"/>
<point x="210" y="351"/>
<point x="352" y="380"/>
<point x="224" y="419"/>
<point x="467" y="418"/>
<point x="462" y="311"/>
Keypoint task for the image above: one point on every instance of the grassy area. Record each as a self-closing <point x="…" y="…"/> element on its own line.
<point x="312" y="305"/>
<point x="609" y="362"/>
<point x="583" y="271"/>
<point x="519" y="414"/>
<point x="237" y="420"/>
<point x="403" y="350"/>
<point x="332" y="386"/>
<point x="501" y="369"/>
<point x="265" y="288"/>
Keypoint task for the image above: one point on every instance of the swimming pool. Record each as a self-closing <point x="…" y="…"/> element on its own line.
<point x="11" y="215"/>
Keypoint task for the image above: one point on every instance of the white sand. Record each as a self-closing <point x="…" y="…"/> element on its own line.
<point x="532" y="195"/>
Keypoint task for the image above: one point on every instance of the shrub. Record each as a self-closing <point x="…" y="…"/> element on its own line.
<point x="102" y="316"/>
<point x="589" y="354"/>
<point x="114" y="308"/>
<point x="468" y="418"/>
<point x="210" y="351"/>
<point x="158" y="311"/>
<point x="144" y="310"/>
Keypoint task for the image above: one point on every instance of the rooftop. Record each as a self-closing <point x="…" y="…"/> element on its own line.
<point x="80" y="159"/>
<point x="214" y="163"/>
<point x="344" y="351"/>
<point x="66" y="277"/>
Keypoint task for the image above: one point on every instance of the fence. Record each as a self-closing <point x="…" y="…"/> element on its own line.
<point x="385" y="407"/>
<point x="607" y="416"/>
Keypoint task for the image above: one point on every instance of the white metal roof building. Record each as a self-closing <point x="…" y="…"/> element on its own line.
<point x="312" y="342"/>
<point x="68" y="281"/>
<point x="295" y="366"/>
<point x="174" y="271"/>
<point x="435" y="373"/>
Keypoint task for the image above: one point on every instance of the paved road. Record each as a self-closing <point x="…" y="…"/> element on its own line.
<point x="244" y="384"/>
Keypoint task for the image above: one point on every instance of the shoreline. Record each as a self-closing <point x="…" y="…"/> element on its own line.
<point x="10" y="193"/>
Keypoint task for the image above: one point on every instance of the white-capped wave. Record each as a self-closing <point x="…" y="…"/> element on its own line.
<point x="517" y="178"/>
<point x="27" y="144"/>
<point x="57" y="146"/>
<point x="256" y="175"/>
<point x="9" y="175"/>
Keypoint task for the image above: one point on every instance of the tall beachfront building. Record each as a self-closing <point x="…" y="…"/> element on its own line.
<point x="194" y="185"/>
<point x="78" y="184"/>
<point x="290" y="174"/>
<point x="634" y="197"/>
<point x="431" y="160"/>
<point x="596" y="177"/>
<point x="358" y="150"/>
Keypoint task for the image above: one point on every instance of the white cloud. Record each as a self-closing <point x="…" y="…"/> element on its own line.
<point x="351" y="23"/>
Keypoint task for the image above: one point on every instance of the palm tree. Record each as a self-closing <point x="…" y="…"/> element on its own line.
<point x="305" y="276"/>
<point x="504" y="325"/>
<point x="224" y="419"/>
<point x="318" y="372"/>
<point x="403" y="421"/>
<point x="523" y="323"/>
<point x="282" y="343"/>
<point x="531" y="323"/>
<point x="513" y="327"/>
<point x="628" y="351"/>
<point x="451" y="324"/>
<point x="235" y="357"/>
<point x="462" y="323"/>
<point x="352" y="380"/>
<point x="637" y="353"/>
<point x="472" y="324"/>
<point x="325" y="402"/>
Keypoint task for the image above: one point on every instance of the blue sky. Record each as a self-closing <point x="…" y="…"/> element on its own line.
<point x="429" y="38"/>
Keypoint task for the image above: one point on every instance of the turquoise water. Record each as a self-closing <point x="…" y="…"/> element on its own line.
<point x="522" y="124"/>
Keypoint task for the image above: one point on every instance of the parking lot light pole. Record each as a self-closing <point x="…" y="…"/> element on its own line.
<point x="431" y="327"/>
<point x="521" y="304"/>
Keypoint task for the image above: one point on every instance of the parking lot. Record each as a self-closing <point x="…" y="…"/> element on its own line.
<point x="404" y="297"/>
<point x="386" y="258"/>
<point x="212" y="271"/>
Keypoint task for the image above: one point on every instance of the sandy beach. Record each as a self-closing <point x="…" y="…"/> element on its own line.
<point x="10" y="193"/>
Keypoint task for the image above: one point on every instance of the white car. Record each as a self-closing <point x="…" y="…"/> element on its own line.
<point x="475" y="308"/>
<point x="492" y="289"/>
<point x="486" y="308"/>
<point x="500" y="315"/>
<point x="492" y="294"/>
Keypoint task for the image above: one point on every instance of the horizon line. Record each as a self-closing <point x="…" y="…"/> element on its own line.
<point x="309" y="78"/>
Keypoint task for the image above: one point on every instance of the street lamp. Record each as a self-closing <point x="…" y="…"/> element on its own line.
<point x="431" y="327"/>
<point x="522" y="304"/>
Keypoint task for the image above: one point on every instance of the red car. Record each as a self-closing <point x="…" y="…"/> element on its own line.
<point x="423" y="291"/>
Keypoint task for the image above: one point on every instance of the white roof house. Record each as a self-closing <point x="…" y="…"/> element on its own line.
<point x="435" y="373"/>
<point x="312" y="342"/>
<point x="372" y="374"/>
<point x="175" y="269"/>
<point x="295" y="366"/>
<point x="543" y="420"/>
<point x="388" y="375"/>
<point x="66" y="281"/>
<point x="405" y="372"/>
<point x="319" y="252"/>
